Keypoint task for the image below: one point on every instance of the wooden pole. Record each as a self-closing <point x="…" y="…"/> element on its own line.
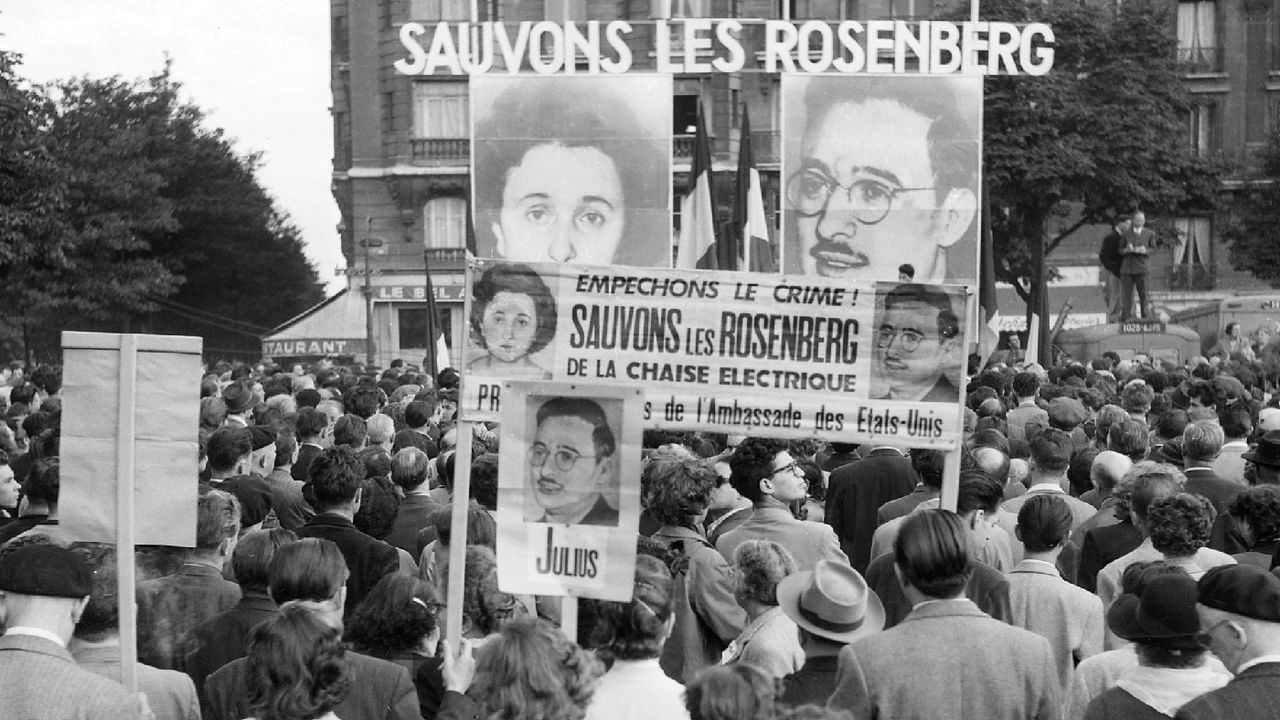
<point x="951" y="462"/>
<point x="458" y="532"/>
<point x="128" y="397"/>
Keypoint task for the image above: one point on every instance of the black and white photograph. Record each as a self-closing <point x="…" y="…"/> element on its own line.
<point x="572" y="169"/>
<point x="918" y="335"/>
<point x="512" y="323"/>
<point x="880" y="177"/>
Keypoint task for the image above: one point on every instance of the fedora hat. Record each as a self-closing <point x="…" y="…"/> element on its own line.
<point x="1267" y="451"/>
<point x="832" y="601"/>
<point x="1165" y="614"/>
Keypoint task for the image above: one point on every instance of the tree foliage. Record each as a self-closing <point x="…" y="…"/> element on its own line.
<point x="1102" y="134"/>
<point x="143" y="212"/>
<point x="1251" y="226"/>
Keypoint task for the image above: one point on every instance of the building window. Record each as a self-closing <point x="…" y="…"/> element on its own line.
<point x="566" y="10"/>
<point x="437" y="10"/>
<point x="445" y="222"/>
<point x="1198" y="50"/>
<point x="413" y="327"/>
<point x="440" y="110"/>
<point x="1193" y="266"/>
<point x="823" y="9"/>
<point x="1200" y="129"/>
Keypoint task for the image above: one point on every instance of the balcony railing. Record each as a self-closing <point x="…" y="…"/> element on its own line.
<point x="441" y="149"/>
<point x="1193" y="277"/>
<point x="1200" y="60"/>
<point x="683" y="146"/>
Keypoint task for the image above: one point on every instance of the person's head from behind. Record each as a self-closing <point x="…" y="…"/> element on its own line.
<point x="887" y="171"/>
<point x="398" y="615"/>
<point x="1044" y="523"/>
<point x="918" y="339"/>
<point x="381" y="429"/>
<point x="217" y="527"/>
<point x="1106" y="471"/>
<point x="928" y="466"/>
<point x="1050" y="454"/>
<point x="1179" y="525"/>
<point x="351" y="431"/>
<point x="1257" y="513"/>
<point x="419" y="413"/>
<point x="529" y="669"/>
<point x="678" y="488"/>
<point x="485" y="608"/>
<point x="932" y="554"/>
<point x="229" y="450"/>
<point x="481" y="528"/>
<point x="636" y="630"/>
<point x="572" y="457"/>
<point x="484" y="480"/>
<point x="1026" y="385"/>
<point x="311" y="571"/>
<point x="1129" y="437"/>
<point x="993" y="462"/>
<point x="296" y="667"/>
<point x="569" y="173"/>
<point x="1202" y="442"/>
<point x="101" y="617"/>
<point x="731" y="692"/>
<point x="379" y="504"/>
<point x="251" y="560"/>
<point x="513" y="313"/>
<point x="43" y="483"/>
<point x="1143" y="484"/>
<point x="759" y="565"/>
<point x="335" y="476"/>
<point x="409" y="468"/>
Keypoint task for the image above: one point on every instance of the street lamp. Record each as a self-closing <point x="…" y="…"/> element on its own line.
<point x="366" y="243"/>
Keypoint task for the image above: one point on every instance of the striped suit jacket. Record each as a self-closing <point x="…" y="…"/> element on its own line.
<point x="40" y="681"/>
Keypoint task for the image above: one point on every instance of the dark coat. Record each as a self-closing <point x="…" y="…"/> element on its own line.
<point x="1254" y="693"/>
<point x="856" y="491"/>
<point x="1136" y="263"/>
<point x="225" y="637"/>
<point x="1101" y="546"/>
<point x="306" y="453"/>
<point x="987" y="588"/>
<point x="1118" y="704"/>
<point x="811" y="684"/>
<point x="170" y="607"/>
<point x="368" y="559"/>
<point x="415" y="510"/>
<point x="1205" y="483"/>
<point x="1109" y="255"/>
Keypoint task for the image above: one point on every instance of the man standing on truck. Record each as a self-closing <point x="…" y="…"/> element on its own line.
<point x="1133" y="268"/>
<point x="1110" y="259"/>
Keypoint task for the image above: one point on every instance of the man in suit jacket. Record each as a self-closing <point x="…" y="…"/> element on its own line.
<point x="762" y="471"/>
<point x="1026" y="386"/>
<point x="856" y="491"/>
<point x="1239" y="605"/>
<point x="336" y="475"/>
<point x="947" y="659"/>
<point x="46" y="589"/>
<point x="1202" y="441"/>
<point x="1042" y="602"/>
<point x="313" y="427"/>
<point x="312" y="572"/>
<point x="1051" y="451"/>
<point x="1110" y="259"/>
<point x="409" y="471"/>
<point x="1134" y="267"/>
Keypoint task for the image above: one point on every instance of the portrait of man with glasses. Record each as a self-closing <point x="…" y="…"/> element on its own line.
<point x="881" y="171"/>
<point x="572" y="464"/>
<point x="918" y="339"/>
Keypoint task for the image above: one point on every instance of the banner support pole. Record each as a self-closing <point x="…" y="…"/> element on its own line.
<point x="459" y="500"/>
<point x="125" y="569"/>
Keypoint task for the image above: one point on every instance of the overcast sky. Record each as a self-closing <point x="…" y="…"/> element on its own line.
<point x="258" y="68"/>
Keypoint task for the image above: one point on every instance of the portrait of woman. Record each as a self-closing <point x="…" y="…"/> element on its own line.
<point x="573" y="169"/>
<point x="513" y="316"/>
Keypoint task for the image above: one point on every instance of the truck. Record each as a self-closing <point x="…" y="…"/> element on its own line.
<point x="1253" y="312"/>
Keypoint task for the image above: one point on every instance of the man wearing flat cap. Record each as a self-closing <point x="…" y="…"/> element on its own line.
<point x="44" y="590"/>
<point x="1239" y="608"/>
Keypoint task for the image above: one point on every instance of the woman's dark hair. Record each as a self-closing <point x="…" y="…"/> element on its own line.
<point x="677" y="487"/>
<point x="813" y="475"/>
<point x="379" y="505"/>
<point x="487" y="607"/>
<point x="296" y="667"/>
<point x="309" y="569"/>
<point x="759" y="565"/>
<point x="531" y="671"/>
<point x="251" y="560"/>
<point x="731" y="692"/>
<point x="635" y="630"/>
<point x="562" y="112"/>
<point x="1258" y="506"/>
<point x="518" y="279"/>
<point x="481" y="527"/>
<point x="1180" y="525"/>
<point x="751" y="462"/>
<point x="395" y="616"/>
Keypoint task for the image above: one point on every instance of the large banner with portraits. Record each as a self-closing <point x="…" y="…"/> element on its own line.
<point x="881" y="171"/>
<point x="781" y="356"/>
<point x="572" y="169"/>
<point x="569" y="489"/>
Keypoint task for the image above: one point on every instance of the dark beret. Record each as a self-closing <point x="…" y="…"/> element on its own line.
<point x="46" y="570"/>
<point x="1066" y="412"/>
<point x="262" y="436"/>
<point x="1241" y="589"/>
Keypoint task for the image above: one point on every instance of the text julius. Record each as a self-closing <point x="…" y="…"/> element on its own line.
<point x="566" y="561"/>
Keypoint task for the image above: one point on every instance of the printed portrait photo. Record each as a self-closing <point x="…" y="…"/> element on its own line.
<point x="572" y="169"/>
<point x="512" y="322"/>
<point x="918" y="342"/>
<point x="572" y="460"/>
<point x="880" y="177"/>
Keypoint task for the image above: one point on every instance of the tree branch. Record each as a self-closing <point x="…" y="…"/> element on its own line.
<point x="1053" y="244"/>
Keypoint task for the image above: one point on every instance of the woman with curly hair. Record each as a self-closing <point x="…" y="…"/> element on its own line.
<point x="296" y="667"/>
<point x="396" y="621"/>
<point x="1257" y="515"/>
<point x="632" y="633"/>
<point x="1179" y="528"/>
<point x="771" y="640"/>
<point x="513" y="316"/>
<point x="677" y="493"/>
<point x="528" y="670"/>
<point x="734" y="692"/>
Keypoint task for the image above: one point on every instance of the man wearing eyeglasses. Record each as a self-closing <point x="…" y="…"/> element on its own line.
<point x="886" y="173"/>
<point x="917" y="344"/>
<point x="571" y="462"/>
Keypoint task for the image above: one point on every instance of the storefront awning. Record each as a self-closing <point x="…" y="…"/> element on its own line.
<point x="335" y="326"/>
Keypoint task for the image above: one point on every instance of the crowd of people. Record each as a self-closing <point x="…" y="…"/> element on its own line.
<point x="1110" y="555"/>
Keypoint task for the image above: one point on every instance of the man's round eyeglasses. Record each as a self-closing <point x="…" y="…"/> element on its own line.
<point x="809" y="192"/>
<point x="792" y="468"/>
<point x="908" y="340"/>
<point x="564" y="459"/>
